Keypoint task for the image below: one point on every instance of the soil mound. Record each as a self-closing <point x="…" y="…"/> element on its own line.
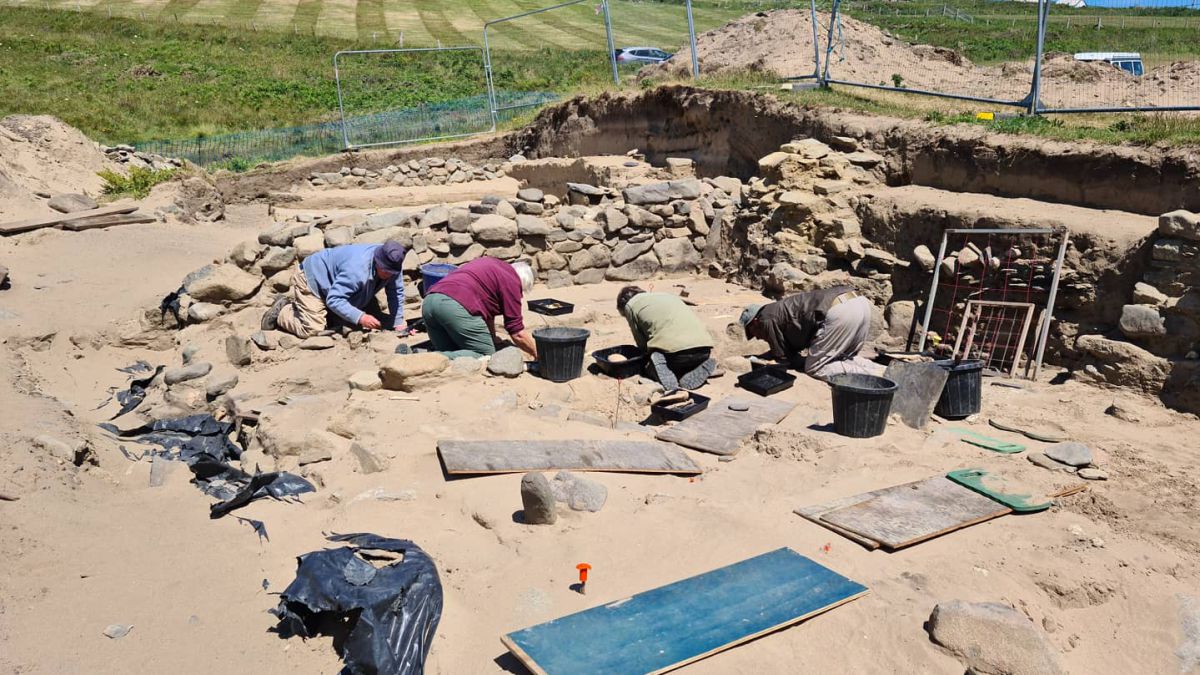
<point x="44" y="155"/>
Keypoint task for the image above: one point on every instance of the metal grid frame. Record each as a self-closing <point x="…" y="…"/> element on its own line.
<point x="1047" y="313"/>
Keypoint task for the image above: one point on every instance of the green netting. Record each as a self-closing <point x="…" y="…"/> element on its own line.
<point x="430" y="121"/>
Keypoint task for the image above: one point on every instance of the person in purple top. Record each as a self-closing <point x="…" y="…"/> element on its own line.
<point x="460" y="311"/>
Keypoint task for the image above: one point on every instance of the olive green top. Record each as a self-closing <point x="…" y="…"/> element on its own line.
<point x="662" y="322"/>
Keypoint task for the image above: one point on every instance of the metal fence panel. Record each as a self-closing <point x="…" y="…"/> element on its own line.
<point x="1121" y="55"/>
<point x="374" y="84"/>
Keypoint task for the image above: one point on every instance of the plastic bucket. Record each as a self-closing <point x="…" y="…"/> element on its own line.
<point x="560" y="352"/>
<point x="431" y="273"/>
<point x="861" y="404"/>
<point x="963" y="394"/>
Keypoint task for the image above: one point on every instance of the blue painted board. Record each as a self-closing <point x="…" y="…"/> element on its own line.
<point x="672" y="625"/>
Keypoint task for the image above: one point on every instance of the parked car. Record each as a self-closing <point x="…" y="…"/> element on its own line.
<point x="1130" y="62"/>
<point x="641" y="55"/>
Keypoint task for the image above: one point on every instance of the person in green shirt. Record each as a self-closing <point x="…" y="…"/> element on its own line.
<point x="679" y="345"/>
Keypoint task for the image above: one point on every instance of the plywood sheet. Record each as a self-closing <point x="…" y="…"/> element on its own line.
<point x="721" y="430"/>
<point x="676" y="624"/>
<point x="918" y="387"/>
<point x="483" y="457"/>
<point x="911" y="513"/>
<point x="98" y="222"/>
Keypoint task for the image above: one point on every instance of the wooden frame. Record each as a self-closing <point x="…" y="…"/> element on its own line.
<point x="974" y="312"/>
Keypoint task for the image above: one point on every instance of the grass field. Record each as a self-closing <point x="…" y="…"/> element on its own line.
<point x="420" y="23"/>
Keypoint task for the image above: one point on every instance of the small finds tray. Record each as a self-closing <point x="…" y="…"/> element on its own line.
<point x="766" y="381"/>
<point x="680" y="410"/>
<point x="550" y="307"/>
<point x="631" y="361"/>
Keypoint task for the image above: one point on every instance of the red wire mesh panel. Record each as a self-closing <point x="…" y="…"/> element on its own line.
<point x="1000" y="277"/>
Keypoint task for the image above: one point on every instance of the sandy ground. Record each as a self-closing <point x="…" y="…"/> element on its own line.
<point x="1106" y="572"/>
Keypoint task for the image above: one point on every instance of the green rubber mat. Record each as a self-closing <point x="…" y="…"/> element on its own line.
<point x="993" y="444"/>
<point x="973" y="479"/>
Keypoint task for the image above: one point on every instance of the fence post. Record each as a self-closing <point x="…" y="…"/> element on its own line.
<point x="337" y="78"/>
<point x="612" y="48"/>
<point x="692" y="39"/>
<point x="816" y="41"/>
<point x="1036" y="83"/>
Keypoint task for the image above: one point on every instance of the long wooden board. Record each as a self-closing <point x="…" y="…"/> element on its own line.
<point x="907" y="514"/>
<point x="484" y="457"/>
<point x="722" y="431"/>
<point x="108" y="221"/>
<point x="673" y="625"/>
<point x="60" y="218"/>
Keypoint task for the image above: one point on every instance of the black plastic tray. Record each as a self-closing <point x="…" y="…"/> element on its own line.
<point x="678" y="413"/>
<point x="550" y="307"/>
<point x="634" y="363"/>
<point x="766" y="381"/>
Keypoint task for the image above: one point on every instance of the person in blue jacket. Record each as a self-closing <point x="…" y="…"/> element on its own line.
<point x="343" y="280"/>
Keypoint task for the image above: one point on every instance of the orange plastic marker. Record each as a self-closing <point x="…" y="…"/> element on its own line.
<point x="583" y="570"/>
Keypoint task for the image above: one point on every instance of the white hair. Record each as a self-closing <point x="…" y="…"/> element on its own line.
<point x="525" y="272"/>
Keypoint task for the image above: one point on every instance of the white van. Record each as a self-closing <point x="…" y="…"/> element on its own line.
<point x="1130" y="62"/>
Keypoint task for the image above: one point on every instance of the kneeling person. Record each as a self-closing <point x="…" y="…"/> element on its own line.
<point x="343" y="280"/>
<point x="833" y="324"/>
<point x="680" y="346"/>
<point x="460" y="311"/>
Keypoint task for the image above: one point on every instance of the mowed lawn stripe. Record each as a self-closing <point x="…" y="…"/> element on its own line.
<point x="177" y="9"/>
<point x="439" y="27"/>
<point x="307" y="13"/>
<point x="406" y="22"/>
<point x="242" y="12"/>
<point x="369" y="20"/>
<point x="276" y="15"/>
<point x="524" y="33"/>
<point x="337" y="19"/>
<point x="579" y="21"/>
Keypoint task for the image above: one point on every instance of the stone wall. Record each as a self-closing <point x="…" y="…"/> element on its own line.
<point x="413" y="173"/>
<point x="590" y="235"/>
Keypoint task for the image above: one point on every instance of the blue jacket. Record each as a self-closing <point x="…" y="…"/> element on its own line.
<point x="344" y="278"/>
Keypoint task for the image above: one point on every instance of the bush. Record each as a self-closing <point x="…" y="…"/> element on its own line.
<point x="137" y="184"/>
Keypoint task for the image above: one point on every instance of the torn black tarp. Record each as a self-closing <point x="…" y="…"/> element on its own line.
<point x="136" y="393"/>
<point x="385" y="593"/>
<point x="170" y="303"/>
<point x="202" y="442"/>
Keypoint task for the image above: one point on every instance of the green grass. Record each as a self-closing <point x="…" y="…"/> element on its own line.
<point x="137" y="184"/>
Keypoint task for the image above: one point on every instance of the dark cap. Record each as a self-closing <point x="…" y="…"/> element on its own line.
<point x="390" y="257"/>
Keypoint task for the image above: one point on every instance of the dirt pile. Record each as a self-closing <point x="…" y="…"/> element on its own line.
<point x="41" y="156"/>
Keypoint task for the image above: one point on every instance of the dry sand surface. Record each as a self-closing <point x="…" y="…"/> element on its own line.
<point x="37" y="155"/>
<point x="780" y="42"/>
<point x="1107" y="573"/>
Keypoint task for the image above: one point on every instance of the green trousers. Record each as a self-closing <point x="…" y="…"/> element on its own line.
<point x="454" y="331"/>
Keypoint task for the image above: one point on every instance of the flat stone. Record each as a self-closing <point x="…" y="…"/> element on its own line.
<point x="1040" y="459"/>
<point x="627" y="251"/>
<point x="530" y="226"/>
<point x="55" y="448"/>
<point x="407" y="371"/>
<point x="586" y="418"/>
<point x="368" y="460"/>
<point x="1092" y="473"/>
<point x="1145" y="294"/>
<point x="203" y="312"/>
<point x="537" y="500"/>
<point x="494" y="229"/>
<point x="194" y="371"/>
<point x="317" y="446"/>
<point x="643" y="267"/>
<point x="71" y="203"/>
<point x="220" y="384"/>
<point x="277" y="258"/>
<point x="117" y="631"/>
<point x="261" y="339"/>
<point x="1181" y="224"/>
<point x="531" y="195"/>
<point x="1071" y="453"/>
<point x="992" y="638"/>
<point x="579" y="493"/>
<point x="505" y="401"/>
<point x="317" y="342"/>
<point x="365" y="380"/>
<point x="677" y="255"/>
<point x="924" y="257"/>
<point x="287" y="341"/>
<point x="508" y="362"/>
<point x="339" y="236"/>
<point x="436" y="217"/>
<point x="237" y="349"/>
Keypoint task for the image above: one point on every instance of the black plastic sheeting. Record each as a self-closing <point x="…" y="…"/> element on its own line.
<point x="202" y="442"/>
<point x="170" y="303"/>
<point x="390" y="612"/>
<point x="135" y="393"/>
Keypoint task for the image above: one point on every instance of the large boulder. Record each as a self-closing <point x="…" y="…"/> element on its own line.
<point x="899" y="317"/>
<point x="626" y="251"/>
<point x="494" y="229"/>
<point x="221" y="283"/>
<point x="992" y="638"/>
<point x="408" y="372"/>
<point x="642" y="267"/>
<point x="1181" y="224"/>
<point x="1142" y="321"/>
<point x="1124" y="363"/>
<point x="530" y="226"/>
<point x="677" y="255"/>
<point x="596" y="256"/>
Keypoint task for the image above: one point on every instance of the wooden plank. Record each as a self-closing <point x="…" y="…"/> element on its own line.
<point x="108" y="221"/>
<point x="907" y="514"/>
<point x="673" y="625"/>
<point x="486" y="457"/>
<point x="722" y="431"/>
<point x="60" y="218"/>
<point x="816" y="511"/>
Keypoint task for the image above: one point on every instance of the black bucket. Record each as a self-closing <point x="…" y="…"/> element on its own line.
<point x="963" y="394"/>
<point x="560" y="352"/>
<point x="861" y="404"/>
